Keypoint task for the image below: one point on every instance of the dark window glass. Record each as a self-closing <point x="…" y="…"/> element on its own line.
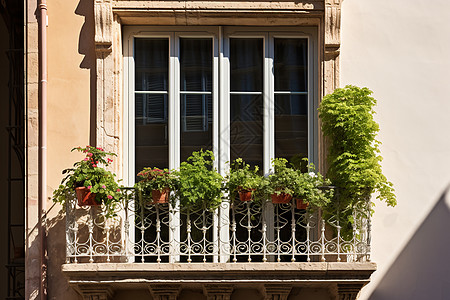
<point x="246" y="65"/>
<point x="151" y="109"/>
<point x="246" y="100"/>
<point x="196" y="59"/>
<point x="195" y="64"/>
<point x="152" y="64"/>
<point x="291" y="105"/>
<point x="290" y="65"/>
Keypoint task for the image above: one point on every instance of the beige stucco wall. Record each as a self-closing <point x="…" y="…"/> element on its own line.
<point x="400" y="49"/>
<point x="70" y="63"/>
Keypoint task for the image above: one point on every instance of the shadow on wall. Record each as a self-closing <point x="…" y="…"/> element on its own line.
<point x="86" y="47"/>
<point x="422" y="270"/>
<point x="58" y="287"/>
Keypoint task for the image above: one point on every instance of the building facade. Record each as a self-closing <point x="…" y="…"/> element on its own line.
<point x="155" y="80"/>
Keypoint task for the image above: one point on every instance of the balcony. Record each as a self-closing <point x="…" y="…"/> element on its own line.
<point x="239" y="243"/>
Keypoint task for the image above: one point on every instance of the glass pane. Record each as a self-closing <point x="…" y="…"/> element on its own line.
<point x="151" y="131"/>
<point x="196" y="64"/>
<point x="152" y="64"/>
<point x="246" y="65"/>
<point x="196" y="124"/>
<point x="291" y="128"/>
<point x="246" y="128"/>
<point x="290" y="65"/>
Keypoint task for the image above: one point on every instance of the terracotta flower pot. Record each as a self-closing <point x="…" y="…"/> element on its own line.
<point x="85" y="197"/>
<point x="160" y="197"/>
<point x="281" y="198"/>
<point x="245" y="195"/>
<point x="300" y="204"/>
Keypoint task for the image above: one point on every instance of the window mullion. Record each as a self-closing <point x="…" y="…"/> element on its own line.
<point x="174" y="140"/>
<point x="269" y="126"/>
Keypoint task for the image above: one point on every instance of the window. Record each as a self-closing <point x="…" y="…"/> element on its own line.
<point x="241" y="92"/>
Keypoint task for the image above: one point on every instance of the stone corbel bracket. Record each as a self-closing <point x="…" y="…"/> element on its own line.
<point x="103" y="26"/>
<point x="332" y="44"/>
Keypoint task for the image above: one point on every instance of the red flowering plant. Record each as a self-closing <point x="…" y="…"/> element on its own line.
<point x="154" y="179"/>
<point x="89" y="173"/>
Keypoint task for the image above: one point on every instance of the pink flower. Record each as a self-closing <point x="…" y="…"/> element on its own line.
<point x="86" y="159"/>
<point x="104" y="186"/>
<point x="94" y="165"/>
<point x="90" y="187"/>
<point x="110" y="197"/>
<point x="118" y="190"/>
<point x="90" y="154"/>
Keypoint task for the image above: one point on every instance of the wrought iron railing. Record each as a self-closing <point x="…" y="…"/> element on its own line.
<point x="235" y="232"/>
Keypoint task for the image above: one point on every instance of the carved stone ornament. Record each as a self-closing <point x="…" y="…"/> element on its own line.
<point x="96" y="292"/>
<point x="332" y="23"/>
<point x="277" y="291"/>
<point x="103" y="25"/>
<point x="332" y="44"/>
<point x="217" y="292"/>
<point x="165" y="291"/>
<point x="348" y="291"/>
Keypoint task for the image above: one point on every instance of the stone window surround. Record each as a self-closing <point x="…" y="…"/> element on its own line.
<point x="111" y="15"/>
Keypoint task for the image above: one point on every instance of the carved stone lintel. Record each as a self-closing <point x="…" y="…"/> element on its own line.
<point x="217" y="292"/>
<point x="96" y="292"/>
<point x="165" y="291"/>
<point x="348" y="291"/>
<point x="277" y="291"/>
<point x="103" y="25"/>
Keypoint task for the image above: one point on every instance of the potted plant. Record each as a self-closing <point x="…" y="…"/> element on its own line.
<point x="243" y="181"/>
<point x="155" y="183"/>
<point x="312" y="190"/>
<point x="199" y="185"/>
<point x="92" y="184"/>
<point x="353" y="153"/>
<point x="281" y="181"/>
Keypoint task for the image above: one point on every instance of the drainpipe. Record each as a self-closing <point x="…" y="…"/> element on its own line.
<point x="42" y="203"/>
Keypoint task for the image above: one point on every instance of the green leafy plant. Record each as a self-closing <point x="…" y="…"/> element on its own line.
<point x="241" y="178"/>
<point x="353" y="154"/>
<point x="282" y="179"/>
<point x="313" y="188"/>
<point x="199" y="184"/>
<point x="154" y="179"/>
<point x="89" y="173"/>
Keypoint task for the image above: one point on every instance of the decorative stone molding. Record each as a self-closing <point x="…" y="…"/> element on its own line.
<point x="348" y="291"/>
<point x="165" y="291"/>
<point x="217" y="292"/>
<point x="108" y="78"/>
<point x="277" y="291"/>
<point x="96" y="292"/>
<point x="332" y="44"/>
<point x="103" y="25"/>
